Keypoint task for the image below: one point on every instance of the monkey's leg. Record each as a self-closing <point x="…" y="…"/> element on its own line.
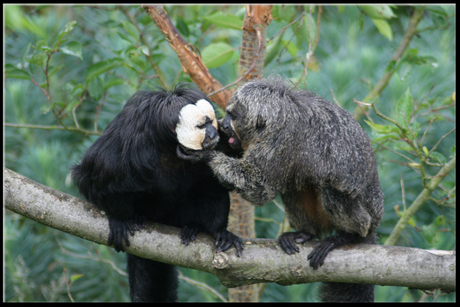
<point x="320" y="252"/>
<point x="288" y="240"/>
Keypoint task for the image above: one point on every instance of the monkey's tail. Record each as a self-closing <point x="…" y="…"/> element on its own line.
<point x="151" y="281"/>
<point x="345" y="292"/>
<point x="341" y="292"/>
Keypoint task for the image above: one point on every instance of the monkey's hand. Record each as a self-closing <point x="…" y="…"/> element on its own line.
<point x="119" y="230"/>
<point x="193" y="155"/>
<point x="288" y="240"/>
<point x="225" y="239"/>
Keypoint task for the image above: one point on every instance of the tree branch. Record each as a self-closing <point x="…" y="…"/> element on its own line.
<point x="262" y="260"/>
<point x="191" y="62"/>
<point x="391" y="67"/>
<point x="420" y="200"/>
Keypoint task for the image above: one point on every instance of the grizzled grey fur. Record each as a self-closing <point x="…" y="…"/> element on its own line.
<point x="310" y="151"/>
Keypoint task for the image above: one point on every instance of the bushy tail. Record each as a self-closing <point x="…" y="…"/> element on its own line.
<point x="151" y="281"/>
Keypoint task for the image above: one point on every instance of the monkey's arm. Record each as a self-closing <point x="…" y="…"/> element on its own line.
<point x="245" y="177"/>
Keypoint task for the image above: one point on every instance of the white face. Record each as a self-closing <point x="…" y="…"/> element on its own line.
<point x="191" y="128"/>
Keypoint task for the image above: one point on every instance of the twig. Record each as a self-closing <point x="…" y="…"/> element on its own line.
<point x="192" y="64"/>
<point x="420" y="200"/>
<point x="442" y="138"/>
<point x="391" y="67"/>
<point x="52" y="128"/>
<point x="259" y="38"/>
<point x="311" y="49"/>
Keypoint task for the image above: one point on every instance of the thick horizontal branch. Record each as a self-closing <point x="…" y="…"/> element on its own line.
<point x="262" y="259"/>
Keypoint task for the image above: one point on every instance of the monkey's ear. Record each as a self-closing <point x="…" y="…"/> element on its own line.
<point x="260" y="124"/>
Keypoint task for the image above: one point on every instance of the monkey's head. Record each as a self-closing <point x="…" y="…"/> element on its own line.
<point x="169" y="122"/>
<point x="197" y="127"/>
<point x="253" y="107"/>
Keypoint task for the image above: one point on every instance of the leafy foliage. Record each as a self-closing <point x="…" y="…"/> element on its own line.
<point x="76" y="66"/>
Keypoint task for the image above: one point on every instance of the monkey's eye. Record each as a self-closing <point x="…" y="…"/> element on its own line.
<point x="232" y="115"/>
<point x="203" y="125"/>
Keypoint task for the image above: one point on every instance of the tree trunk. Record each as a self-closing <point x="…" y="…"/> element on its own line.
<point x="251" y="65"/>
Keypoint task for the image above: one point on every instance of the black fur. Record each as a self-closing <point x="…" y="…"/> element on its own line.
<point x="132" y="172"/>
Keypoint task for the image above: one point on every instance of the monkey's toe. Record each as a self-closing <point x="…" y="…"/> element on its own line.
<point x="225" y="240"/>
<point x="320" y="252"/>
<point x="188" y="234"/>
<point x="288" y="241"/>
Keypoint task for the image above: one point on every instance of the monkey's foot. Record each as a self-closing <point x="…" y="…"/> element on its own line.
<point x="288" y="240"/>
<point x="225" y="239"/>
<point x="119" y="230"/>
<point x="188" y="233"/>
<point x="320" y="252"/>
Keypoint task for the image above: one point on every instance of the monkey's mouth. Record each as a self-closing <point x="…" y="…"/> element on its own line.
<point x="210" y="143"/>
<point x="185" y="151"/>
<point x="233" y="140"/>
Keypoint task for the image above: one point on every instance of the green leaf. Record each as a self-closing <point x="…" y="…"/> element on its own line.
<point x="377" y="11"/>
<point x="438" y="157"/>
<point x="384" y="137"/>
<point x="131" y="30"/>
<point x="404" y="108"/>
<point x="37" y="58"/>
<point x="71" y="105"/>
<point x="383" y="129"/>
<point x="74" y="277"/>
<point x="157" y="58"/>
<point x="304" y="33"/>
<point x="214" y="55"/>
<point x="272" y="50"/>
<point x="143" y="49"/>
<point x="42" y="45"/>
<point x="9" y="67"/>
<point x="102" y="67"/>
<point x="182" y="26"/>
<point x="73" y="49"/>
<point x="291" y="48"/>
<point x="113" y="82"/>
<point x="286" y="12"/>
<point x="46" y="108"/>
<point x="429" y="232"/>
<point x="67" y="28"/>
<point x="384" y="28"/>
<point x="18" y="74"/>
<point x="96" y="88"/>
<point x="440" y="220"/>
<point x="412" y="58"/>
<point x="225" y="21"/>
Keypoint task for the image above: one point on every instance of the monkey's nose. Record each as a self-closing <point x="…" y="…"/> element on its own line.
<point x="226" y="122"/>
<point x="211" y="132"/>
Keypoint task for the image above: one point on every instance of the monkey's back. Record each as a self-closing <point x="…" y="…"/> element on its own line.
<point x="311" y="146"/>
